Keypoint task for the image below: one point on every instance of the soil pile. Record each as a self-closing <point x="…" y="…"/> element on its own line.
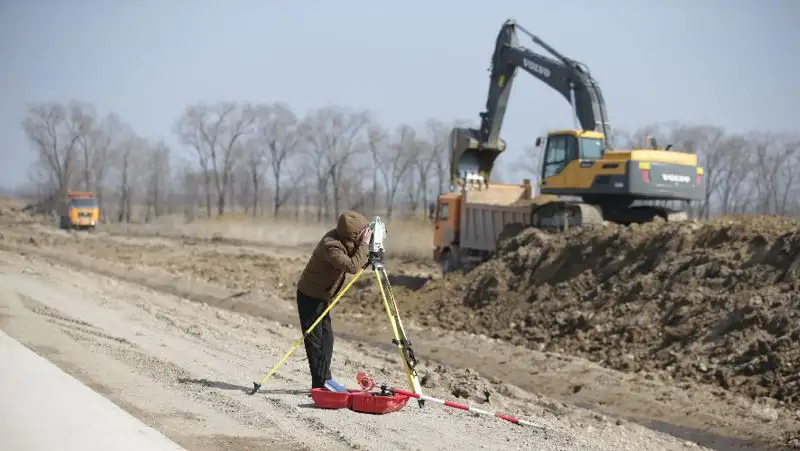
<point x="717" y="302"/>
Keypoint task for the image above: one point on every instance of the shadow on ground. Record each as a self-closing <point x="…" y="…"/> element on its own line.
<point x="235" y="387"/>
<point x="410" y="282"/>
<point x="705" y="438"/>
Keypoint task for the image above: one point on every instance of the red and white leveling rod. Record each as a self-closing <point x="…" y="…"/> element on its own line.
<point x="456" y="405"/>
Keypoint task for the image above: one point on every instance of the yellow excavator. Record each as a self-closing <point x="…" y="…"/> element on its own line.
<point x="577" y="162"/>
<point x="604" y="184"/>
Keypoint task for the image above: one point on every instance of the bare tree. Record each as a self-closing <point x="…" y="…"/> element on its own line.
<point x="255" y="157"/>
<point x="158" y="173"/>
<point x="395" y="162"/>
<point x="214" y="131"/>
<point x="191" y="183"/>
<point x="85" y="142"/>
<point x="774" y="177"/>
<point x="103" y="137"/>
<point x="733" y="173"/>
<point x="39" y="190"/>
<point x="127" y="157"/>
<point x="245" y="155"/>
<point x="708" y="143"/>
<point x="335" y="136"/>
<point x="433" y="150"/>
<point x="769" y="159"/>
<point x="54" y="131"/>
<point x="790" y="150"/>
<point x="278" y="134"/>
<point x="378" y="140"/>
<point x="530" y="165"/>
<point x="442" y="162"/>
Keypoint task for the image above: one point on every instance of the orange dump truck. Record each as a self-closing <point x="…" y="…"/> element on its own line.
<point x="468" y="224"/>
<point x="82" y="211"/>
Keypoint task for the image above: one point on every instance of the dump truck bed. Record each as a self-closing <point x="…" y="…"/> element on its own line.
<point x="485" y="213"/>
<point x="481" y="225"/>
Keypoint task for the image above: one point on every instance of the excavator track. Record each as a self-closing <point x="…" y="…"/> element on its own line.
<point x="640" y="214"/>
<point x="562" y="215"/>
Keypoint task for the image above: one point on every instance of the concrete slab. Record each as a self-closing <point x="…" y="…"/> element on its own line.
<point x="43" y="408"/>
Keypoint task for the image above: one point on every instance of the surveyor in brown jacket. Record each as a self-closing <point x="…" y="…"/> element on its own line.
<point x="343" y="250"/>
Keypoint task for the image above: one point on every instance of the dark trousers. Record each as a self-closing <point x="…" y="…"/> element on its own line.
<point x="319" y="343"/>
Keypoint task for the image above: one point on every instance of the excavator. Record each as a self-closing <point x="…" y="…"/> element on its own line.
<point x="583" y="179"/>
<point x="579" y="162"/>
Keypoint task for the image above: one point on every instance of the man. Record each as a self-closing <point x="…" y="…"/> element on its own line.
<point x="343" y="250"/>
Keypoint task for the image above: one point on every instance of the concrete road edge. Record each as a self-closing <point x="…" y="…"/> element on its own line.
<point x="44" y="408"/>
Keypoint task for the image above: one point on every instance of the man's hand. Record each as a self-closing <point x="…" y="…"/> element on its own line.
<point x="365" y="235"/>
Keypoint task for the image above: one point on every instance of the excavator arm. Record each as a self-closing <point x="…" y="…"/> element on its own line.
<point x="474" y="151"/>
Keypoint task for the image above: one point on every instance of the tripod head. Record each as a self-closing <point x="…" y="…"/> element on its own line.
<point x="376" y="242"/>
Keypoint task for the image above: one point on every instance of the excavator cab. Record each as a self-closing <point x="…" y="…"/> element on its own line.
<point x="576" y="163"/>
<point x="565" y="146"/>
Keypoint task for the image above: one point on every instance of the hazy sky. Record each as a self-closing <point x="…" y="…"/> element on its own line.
<point x="732" y="63"/>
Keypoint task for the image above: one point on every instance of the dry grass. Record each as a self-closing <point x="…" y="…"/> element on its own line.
<point x="407" y="239"/>
<point x="10" y="203"/>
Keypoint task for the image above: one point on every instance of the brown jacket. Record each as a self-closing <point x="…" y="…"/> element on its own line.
<point x="337" y="253"/>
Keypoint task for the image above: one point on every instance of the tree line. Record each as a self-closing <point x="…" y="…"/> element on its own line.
<point x="264" y="159"/>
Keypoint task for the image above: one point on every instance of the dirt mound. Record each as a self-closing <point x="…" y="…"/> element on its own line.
<point x="717" y="302"/>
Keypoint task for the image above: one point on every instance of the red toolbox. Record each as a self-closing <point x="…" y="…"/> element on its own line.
<point x="326" y="399"/>
<point x="358" y="401"/>
<point x="377" y="403"/>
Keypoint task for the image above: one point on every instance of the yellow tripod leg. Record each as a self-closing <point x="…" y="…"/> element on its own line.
<point x="413" y="377"/>
<point x="257" y="385"/>
<point x="398" y="332"/>
<point x="393" y="302"/>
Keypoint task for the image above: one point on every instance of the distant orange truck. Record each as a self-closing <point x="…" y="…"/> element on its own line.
<point x="82" y="211"/>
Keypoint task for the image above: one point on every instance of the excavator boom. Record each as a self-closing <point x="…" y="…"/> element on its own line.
<point x="474" y="151"/>
<point x="568" y="77"/>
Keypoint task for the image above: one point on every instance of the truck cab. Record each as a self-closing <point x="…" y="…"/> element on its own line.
<point x="82" y="211"/>
<point x="446" y="220"/>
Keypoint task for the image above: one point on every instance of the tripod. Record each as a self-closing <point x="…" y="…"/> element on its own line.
<point x="375" y="262"/>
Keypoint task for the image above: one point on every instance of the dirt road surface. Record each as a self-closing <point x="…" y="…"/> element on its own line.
<point x="224" y="298"/>
<point x="183" y="368"/>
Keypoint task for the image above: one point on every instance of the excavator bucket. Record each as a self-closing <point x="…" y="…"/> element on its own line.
<point x="469" y="161"/>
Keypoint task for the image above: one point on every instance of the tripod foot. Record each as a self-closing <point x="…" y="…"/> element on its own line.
<point x="256" y="387"/>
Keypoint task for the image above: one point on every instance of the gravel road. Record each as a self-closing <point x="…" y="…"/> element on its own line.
<point x="182" y="367"/>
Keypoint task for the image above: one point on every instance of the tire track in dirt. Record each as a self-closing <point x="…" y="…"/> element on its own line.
<point x="81" y="356"/>
<point x="128" y="275"/>
<point x="69" y="324"/>
<point x="261" y="402"/>
<point x="249" y="413"/>
<point x="171" y="375"/>
<point x="432" y="416"/>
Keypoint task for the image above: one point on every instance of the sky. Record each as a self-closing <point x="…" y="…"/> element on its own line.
<point x="731" y="63"/>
